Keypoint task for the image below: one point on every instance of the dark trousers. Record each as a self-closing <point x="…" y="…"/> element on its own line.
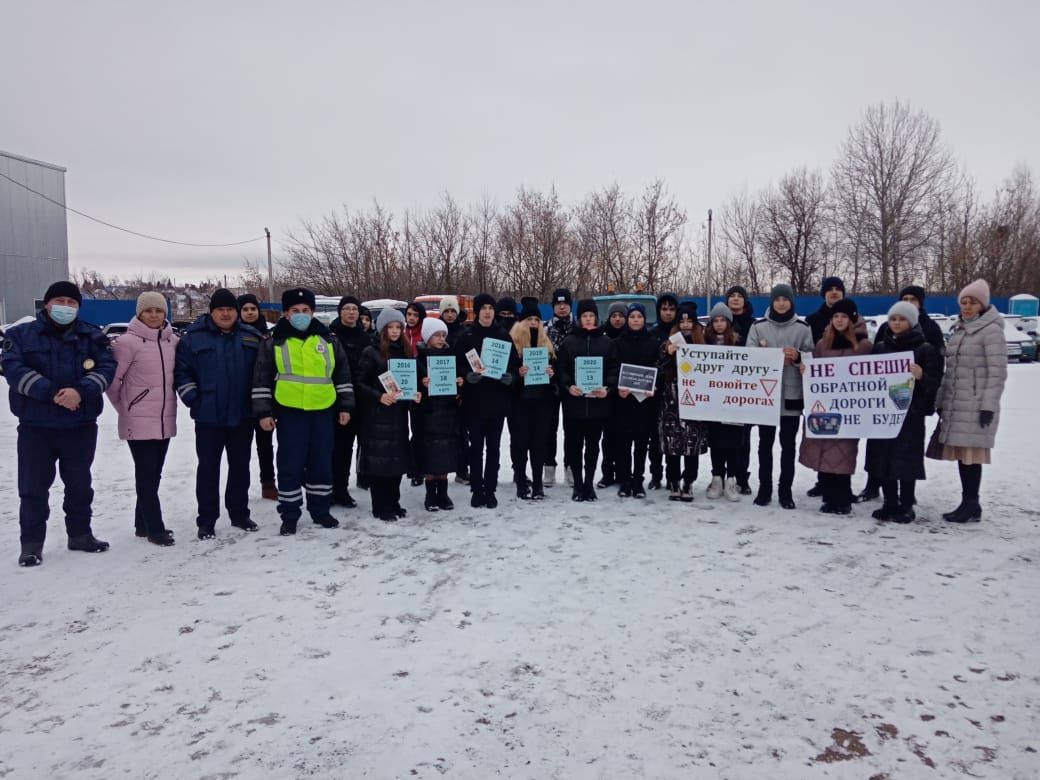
<point x="211" y="442"/>
<point x="515" y="420"/>
<point x="554" y="430"/>
<point x="629" y="455"/>
<point x="836" y="488"/>
<point x="902" y="494"/>
<point x="745" y="457"/>
<point x="608" y="465"/>
<point x="344" y="437"/>
<point x="264" y="453"/>
<point x="149" y="456"/>
<point x="304" y="443"/>
<point x="529" y="437"/>
<point x="485" y="434"/>
<point x="581" y="440"/>
<point x="675" y="469"/>
<point x="38" y="450"/>
<point x="655" y="452"/>
<point x="766" y="438"/>
<point x="386" y="494"/>
<point x="727" y="462"/>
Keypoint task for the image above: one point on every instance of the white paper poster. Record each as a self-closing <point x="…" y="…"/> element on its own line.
<point x="730" y="384"/>
<point x="860" y="397"/>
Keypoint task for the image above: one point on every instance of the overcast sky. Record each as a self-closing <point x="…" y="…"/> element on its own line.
<point x="206" y="121"/>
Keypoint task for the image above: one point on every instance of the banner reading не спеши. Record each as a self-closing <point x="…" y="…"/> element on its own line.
<point x="861" y="397"/>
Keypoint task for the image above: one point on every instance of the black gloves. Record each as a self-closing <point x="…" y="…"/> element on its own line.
<point x="506" y="379"/>
<point x="985" y="418"/>
<point x="473" y="377"/>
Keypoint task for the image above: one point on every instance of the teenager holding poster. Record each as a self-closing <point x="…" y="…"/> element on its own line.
<point x="438" y="414"/>
<point x="485" y="400"/>
<point x="384" y="431"/>
<point x="533" y="403"/>
<point x="727" y="441"/>
<point x="834" y="460"/>
<point x="780" y="328"/>
<point x="896" y="464"/>
<point x="585" y="408"/>
<point x="680" y="439"/>
<point x="634" y="417"/>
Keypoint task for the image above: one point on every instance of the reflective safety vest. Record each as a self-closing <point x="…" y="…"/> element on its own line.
<point x="304" y="378"/>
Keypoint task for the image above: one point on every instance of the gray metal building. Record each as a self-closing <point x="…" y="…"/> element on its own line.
<point x="34" y="240"/>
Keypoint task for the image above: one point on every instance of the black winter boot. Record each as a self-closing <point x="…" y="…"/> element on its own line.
<point x="327" y="522"/>
<point x="443" y="502"/>
<point x="477" y="499"/>
<point x="967" y="512"/>
<point x="523" y="488"/>
<point x="490" y="501"/>
<point x="32" y="554"/>
<point x="163" y="538"/>
<point x="765" y="495"/>
<point x="87" y="543"/>
<point x="430" y="503"/>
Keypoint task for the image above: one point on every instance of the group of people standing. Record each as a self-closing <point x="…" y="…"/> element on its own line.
<point x="323" y="392"/>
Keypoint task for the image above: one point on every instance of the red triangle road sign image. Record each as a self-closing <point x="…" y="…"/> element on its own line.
<point x="769" y="385"/>
<point x="687" y="398"/>
<point x="818" y="408"/>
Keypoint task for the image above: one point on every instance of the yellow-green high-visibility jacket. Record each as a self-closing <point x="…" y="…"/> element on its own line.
<point x="307" y="371"/>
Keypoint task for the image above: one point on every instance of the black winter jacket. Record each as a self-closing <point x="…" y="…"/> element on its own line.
<point x="438" y="420"/>
<point x="903" y="456"/>
<point x="818" y="321"/>
<point x="483" y="397"/>
<point x="637" y="348"/>
<point x="586" y="343"/>
<point x="384" y="429"/>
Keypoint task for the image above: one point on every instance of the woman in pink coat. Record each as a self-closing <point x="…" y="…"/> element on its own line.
<point x="142" y="393"/>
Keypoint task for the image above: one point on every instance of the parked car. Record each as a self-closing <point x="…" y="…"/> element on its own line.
<point x="326" y="308"/>
<point x="1022" y="344"/>
<point x="378" y="304"/>
<point x="115" y="329"/>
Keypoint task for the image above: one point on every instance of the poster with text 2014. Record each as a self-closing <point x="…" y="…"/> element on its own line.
<point x="730" y="384"/>
<point x="863" y="397"/>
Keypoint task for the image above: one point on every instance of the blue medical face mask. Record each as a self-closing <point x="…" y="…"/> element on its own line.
<point x="300" y="320"/>
<point x="63" y="315"/>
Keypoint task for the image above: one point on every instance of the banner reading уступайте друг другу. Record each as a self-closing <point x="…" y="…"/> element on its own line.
<point x="730" y="384"/>
<point x="857" y="397"/>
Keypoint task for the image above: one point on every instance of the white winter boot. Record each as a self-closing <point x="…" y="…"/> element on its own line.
<point x="548" y="476"/>
<point x="715" y="489"/>
<point x="732" y="489"/>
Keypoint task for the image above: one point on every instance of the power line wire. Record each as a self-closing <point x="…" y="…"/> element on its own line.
<point x="126" y="230"/>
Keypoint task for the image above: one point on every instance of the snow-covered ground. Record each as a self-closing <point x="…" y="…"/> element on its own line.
<point x="612" y="640"/>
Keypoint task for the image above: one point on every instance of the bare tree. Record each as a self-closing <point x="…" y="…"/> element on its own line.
<point x="889" y="181"/>
<point x="659" y="224"/>
<point x="740" y="227"/>
<point x="793" y="228"/>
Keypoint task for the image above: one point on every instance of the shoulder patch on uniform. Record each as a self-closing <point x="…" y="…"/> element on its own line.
<point x="8" y="344"/>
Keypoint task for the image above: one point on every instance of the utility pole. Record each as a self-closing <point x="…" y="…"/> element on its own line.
<point x="708" y="293"/>
<point x="270" y="269"/>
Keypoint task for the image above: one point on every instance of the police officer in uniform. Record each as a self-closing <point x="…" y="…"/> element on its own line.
<point x="302" y="382"/>
<point x="58" y="368"/>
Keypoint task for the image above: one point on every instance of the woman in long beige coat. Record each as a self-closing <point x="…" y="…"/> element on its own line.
<point x="969" y="397"/>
